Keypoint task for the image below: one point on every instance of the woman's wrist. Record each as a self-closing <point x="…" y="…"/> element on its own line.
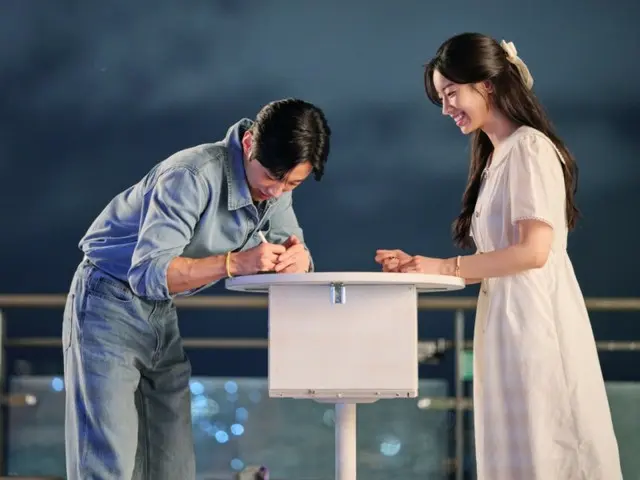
<point x="450" y="267"/>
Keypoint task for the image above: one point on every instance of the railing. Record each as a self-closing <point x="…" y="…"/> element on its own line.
<point x="428" y="349"/>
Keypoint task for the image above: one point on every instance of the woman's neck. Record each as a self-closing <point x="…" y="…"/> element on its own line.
<point x="498" y="128"/>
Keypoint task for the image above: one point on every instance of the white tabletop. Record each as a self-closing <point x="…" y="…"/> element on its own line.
<point x="423" y="283"/>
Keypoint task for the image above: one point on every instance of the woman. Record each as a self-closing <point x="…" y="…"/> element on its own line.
<point x="541" y="410"/>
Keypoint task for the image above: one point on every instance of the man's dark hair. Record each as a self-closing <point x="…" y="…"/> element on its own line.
<point x="289" y="132"/>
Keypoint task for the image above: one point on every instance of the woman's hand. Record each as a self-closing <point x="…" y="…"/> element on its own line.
<point x="391" y="259"/>
<point x="427" y="265"/>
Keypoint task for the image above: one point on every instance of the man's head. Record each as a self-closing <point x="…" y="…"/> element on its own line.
<point x="288" y="140"/>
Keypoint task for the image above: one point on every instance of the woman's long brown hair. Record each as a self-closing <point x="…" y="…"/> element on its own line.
<point x="471" y="58"/>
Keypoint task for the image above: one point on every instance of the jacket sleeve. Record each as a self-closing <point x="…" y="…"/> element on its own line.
<point x="170" y="213"/>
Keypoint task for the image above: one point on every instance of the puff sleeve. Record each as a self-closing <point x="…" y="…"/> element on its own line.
<point x="536" y="182"/>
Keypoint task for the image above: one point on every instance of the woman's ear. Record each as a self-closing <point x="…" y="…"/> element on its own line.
<point x="488" y="86"/>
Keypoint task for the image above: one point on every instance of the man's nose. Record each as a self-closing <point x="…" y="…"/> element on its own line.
<point x="276" y="190"/>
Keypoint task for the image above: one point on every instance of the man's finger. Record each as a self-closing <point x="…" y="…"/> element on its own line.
<point x="295" y="250"/>
<point x="267" y="266"/>
<point x="291" y="269"/>
<point x="283" y="265"/>
<point x="291" y="241"/>
<point x="274" y="258"/>
<point x="274" y="248"/>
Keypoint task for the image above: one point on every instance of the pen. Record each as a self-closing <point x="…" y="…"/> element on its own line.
<point x="262" y="237"/>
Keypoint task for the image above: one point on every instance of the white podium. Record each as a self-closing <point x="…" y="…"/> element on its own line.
<point x="343" y="338"/>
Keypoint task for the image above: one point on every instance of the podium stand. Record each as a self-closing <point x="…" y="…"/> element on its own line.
<point x="343" y="338"/>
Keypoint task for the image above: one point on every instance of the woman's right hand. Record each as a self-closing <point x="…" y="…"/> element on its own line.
<point x="391" y="259"/>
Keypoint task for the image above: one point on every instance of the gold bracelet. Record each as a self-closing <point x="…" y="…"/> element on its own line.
<point x="457" y="272"/>
<point x="228" y="264"/>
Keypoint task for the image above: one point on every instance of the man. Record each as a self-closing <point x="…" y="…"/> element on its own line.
<point x="194" y="219"/>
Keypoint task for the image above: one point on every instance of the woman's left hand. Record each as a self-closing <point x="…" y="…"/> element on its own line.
<point x="420" y="264"/>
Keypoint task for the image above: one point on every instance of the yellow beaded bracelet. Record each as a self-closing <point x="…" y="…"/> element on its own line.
<point x="228" y="264"/>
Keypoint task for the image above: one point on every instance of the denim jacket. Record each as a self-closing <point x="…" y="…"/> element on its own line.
<point x="194" y="204"/>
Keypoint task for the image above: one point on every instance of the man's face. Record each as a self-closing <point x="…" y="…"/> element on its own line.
<point x="262" y="184"/>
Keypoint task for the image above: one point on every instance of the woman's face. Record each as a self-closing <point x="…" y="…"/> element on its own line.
<point x="467" y="104"/>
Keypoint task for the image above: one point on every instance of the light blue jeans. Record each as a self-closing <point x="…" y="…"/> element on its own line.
<point x="128" y="407"/>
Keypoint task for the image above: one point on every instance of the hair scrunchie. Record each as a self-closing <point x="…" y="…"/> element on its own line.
<point x="512" y="56"/>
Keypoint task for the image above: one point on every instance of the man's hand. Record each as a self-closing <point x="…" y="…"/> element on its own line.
<point x="295" y="259"/>
<point x="262" y="258"/>
<point x="391" y="259"/>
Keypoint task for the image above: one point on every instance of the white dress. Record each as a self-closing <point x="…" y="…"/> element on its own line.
<point x="540" y="405"/>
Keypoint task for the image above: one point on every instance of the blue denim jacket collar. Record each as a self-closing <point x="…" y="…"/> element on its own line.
<point x="238" y="189"/>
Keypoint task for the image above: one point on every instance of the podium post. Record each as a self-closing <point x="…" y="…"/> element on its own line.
<point x="343" y="338"/>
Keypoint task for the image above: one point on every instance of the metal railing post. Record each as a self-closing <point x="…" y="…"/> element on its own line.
<point x="459" y="393"/>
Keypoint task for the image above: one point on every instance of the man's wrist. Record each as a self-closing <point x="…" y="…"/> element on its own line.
<point x="235" y="268"/>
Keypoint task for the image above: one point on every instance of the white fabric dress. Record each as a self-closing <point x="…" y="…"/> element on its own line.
<point x="540" y="406"/>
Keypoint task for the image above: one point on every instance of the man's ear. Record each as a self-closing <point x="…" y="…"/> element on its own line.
<point x="247" y="143"/>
